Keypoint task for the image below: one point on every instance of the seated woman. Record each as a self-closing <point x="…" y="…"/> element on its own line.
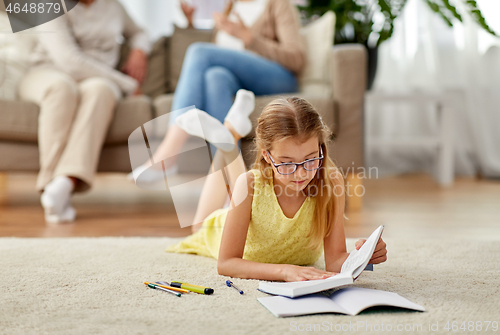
<point x="75" y="83"/>
<point x="257" y="48"/>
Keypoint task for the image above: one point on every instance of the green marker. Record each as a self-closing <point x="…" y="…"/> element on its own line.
<point x="192" y="288"/>
<point x="156" y="287"/>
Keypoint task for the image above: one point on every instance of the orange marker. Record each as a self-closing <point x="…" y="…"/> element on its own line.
<point x="161" y="284"/>
<point x="156" y="287"/>
<point x="166" y="287"/>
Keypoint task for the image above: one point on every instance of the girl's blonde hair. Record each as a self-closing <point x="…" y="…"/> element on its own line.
<point x="296" y="118"/>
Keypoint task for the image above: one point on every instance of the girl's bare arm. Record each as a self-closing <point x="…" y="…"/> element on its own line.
<point x="230" y="262"/>
<point x="334" y="243"/>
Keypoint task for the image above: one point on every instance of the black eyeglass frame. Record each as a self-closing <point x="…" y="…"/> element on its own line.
<point x="298" y="164"/>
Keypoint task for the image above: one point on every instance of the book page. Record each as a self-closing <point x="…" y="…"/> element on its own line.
<point x="298" y="288"/>
<point x="310" y="304"/>
<point x="360" y="258"/>
<point x="356" y="299"/>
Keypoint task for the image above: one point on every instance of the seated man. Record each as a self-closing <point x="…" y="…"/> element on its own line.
<point x="74" y="81"/>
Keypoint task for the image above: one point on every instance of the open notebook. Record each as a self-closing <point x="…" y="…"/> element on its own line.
<point x="351" y="269"/>
<point x="348" y="300"/>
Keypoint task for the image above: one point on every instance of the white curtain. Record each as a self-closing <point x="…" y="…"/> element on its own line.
<point x="156" y="16"/>
<point x="424" y="54"/>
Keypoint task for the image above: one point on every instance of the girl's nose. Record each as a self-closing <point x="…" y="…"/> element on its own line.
<point x="301" y="172"/>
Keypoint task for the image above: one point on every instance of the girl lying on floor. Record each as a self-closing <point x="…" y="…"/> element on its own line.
<point x="281" y="214"/>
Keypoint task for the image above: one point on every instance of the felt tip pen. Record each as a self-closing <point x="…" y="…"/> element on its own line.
<point x="192" y="288"/>
<point x="230" y="284"/>
<point x="156" y="287"/>
<point x="165" y="285"/>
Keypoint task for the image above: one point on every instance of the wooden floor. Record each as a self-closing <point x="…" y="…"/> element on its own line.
<point x="410" y="206"/>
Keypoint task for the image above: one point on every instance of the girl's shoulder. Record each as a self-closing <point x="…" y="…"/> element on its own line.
<point x="245" y="184"/>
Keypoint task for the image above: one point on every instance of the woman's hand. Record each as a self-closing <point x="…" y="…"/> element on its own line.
<point x="188" y="11"/>
<point x="136" y="65"/>
<point x="236" y="29"/>
<point x="380" y="253"/>
<point x="137" y="91"/>
<point x="301" y="273"/>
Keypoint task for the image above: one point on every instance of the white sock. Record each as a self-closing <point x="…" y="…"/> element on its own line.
<point x="238" y="115"/>
<point x="147" y="174"/>
<point x="68" y="215"/>
<point x="196" y="122"/>
<point x="56" y="198"/>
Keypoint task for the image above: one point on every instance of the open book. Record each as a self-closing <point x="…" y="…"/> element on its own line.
<point x="348" y="300"/>
<point x="351" y="269"/>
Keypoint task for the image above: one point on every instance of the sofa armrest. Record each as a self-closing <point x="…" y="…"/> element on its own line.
<point x="349" y="72"/>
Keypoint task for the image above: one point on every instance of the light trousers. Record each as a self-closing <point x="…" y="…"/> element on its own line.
<point x="73" y="122"/>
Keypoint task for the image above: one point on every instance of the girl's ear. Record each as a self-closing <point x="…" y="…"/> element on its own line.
<point x="266" y="157"/>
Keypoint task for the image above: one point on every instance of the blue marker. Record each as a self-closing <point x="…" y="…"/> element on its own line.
<point x="230" y="284"/>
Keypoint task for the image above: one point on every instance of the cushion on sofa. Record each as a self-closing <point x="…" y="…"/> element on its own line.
<point x="162" y="105"/>
<point x="179" y="42"/>
<point x="318" y="38"/>
<point x="19" y="120"/>
<point x="131" y="112"/>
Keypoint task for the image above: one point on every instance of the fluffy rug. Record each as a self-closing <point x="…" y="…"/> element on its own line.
<point x="95" y="286"/>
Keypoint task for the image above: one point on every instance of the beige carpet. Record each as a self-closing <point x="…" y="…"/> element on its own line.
<point x="94" y="286"/>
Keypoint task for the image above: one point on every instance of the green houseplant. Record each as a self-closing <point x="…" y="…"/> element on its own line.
<point x="355" y="20"/>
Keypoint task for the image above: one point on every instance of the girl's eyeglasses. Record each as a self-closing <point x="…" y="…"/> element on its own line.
<point x="289" y="168"/>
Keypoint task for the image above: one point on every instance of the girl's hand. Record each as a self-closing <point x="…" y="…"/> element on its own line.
<point x="380" y="253"/>
<point x="301" y="273"/>
<point x="236" y="29"/>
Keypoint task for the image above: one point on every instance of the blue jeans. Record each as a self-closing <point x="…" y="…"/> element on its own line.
<point x="211" y="76"/>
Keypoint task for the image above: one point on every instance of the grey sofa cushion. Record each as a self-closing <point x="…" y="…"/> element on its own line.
<point x="24" y="156"/>
<point x="19" y="120"/>
<point x="162" y="105"/>
<point x="179" y="42"/>
<point x="130" y="114"/>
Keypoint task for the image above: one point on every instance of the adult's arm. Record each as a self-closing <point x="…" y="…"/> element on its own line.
<point x="136" y="35"/>
<point x="57" y="39"/>
<point x="288" y="50"/>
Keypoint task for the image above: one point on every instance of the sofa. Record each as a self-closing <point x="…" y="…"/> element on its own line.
<point x="342" y="110"/>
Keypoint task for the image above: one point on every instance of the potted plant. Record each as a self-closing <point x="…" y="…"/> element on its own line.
<point x="355" y="20"/>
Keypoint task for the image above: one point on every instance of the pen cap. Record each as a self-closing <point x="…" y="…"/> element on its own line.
<point x="179" y="284"/>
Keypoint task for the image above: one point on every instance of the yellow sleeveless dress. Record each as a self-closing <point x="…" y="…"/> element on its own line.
<point x="271" y="237"/>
